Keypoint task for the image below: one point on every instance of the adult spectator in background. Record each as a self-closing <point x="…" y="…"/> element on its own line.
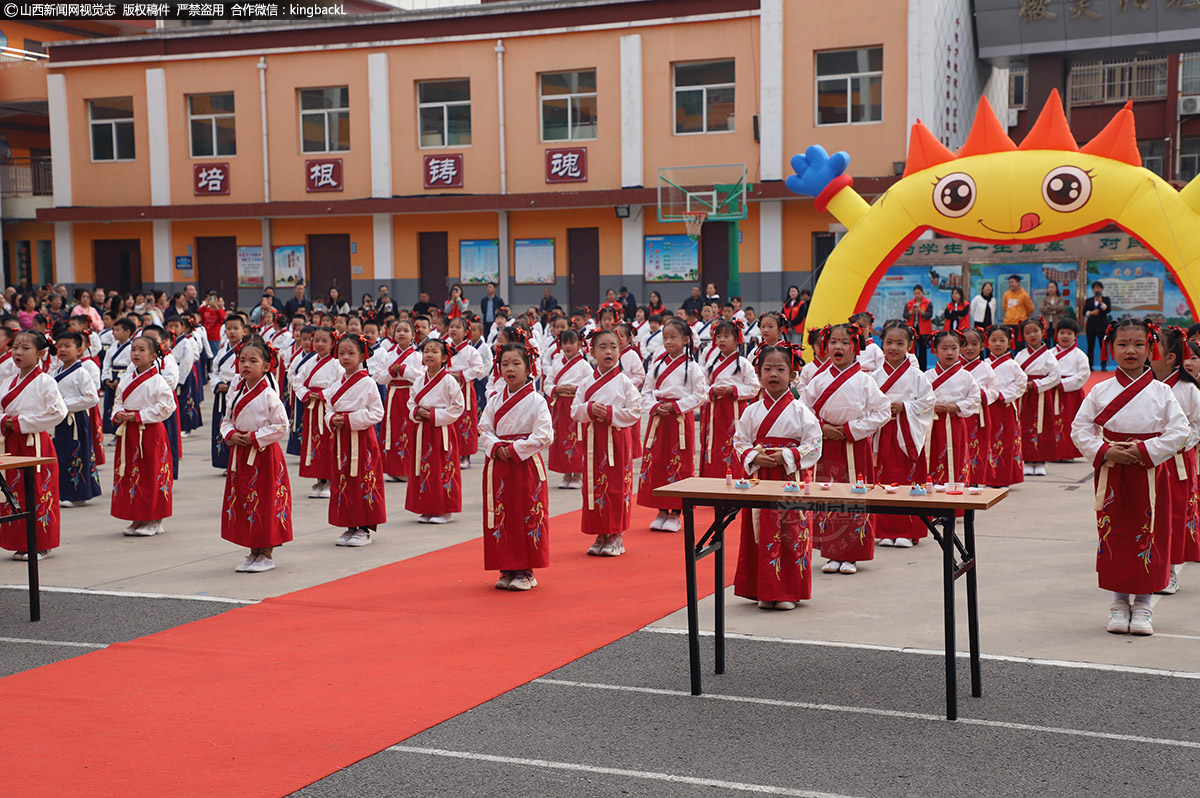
<point x="1053" y="309"/>
<point x="693" y="303"/>
<point x="55" y="310"/>
<point x="179" y="305"/>
<point x="983" y="306"/>
<point x="656" y="305"/>
<point x="192" y="297"/>
<point x="85" y="308"/>
<point x="456" y="306"/>
<point x="275" y="303"/>
<point x="335" y="304"/>
<point x="1095" y="319"/>
<point x="794" y="310"/>
<point x="298" y="301"/>
<point x="611" y="302"/>
<point x="547" y="304"/>
<point x="957" y="311"/>
<point x="212" y="316"/>
<point x="630" y="304"/>
<point x="423" y="305"/>
<point x="1018" y="306"/>
<point x="492" y="302"/>
<point x="918" y="312"/>
<point x="99" y="296"/>
<point x="710" y="294"/>
<point x="158" y="308"/>
<point x="383" y="301"/>
<point x="263" y="308"/>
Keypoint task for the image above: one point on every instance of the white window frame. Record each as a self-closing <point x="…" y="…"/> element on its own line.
<point x="445" y="115"/>
<point x="112" y="125"/>
<point x="1162" y="159"/>
<point x="1018" y="73"/>
<point x="1111" y="82"/>
<point x="1185" y="156"/>
<point x="675" y="89"/>
<point x="325" y="112"/>
<point x="848" y="77"/>
<point x="569" y="97"/>
<point x="212" y="118"/>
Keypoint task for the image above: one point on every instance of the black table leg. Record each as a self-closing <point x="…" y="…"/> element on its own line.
<point x="948" y="599"/>
<point x="29" y="500"/>
<point x="693" y="610"/>
<point x="719" y="592"/>
<point x="972" y="602"/>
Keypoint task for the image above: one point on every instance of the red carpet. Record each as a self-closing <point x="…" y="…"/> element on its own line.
<point x="254" y="702"/>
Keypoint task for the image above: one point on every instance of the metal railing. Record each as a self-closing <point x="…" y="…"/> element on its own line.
<point x="26" y="177"/>
<point x="1100" y="82"/>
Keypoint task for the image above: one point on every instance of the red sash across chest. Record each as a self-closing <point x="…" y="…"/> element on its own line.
<point x="1131" y="389"/>
<point x="774" y="411"/>
<point x="946" y="374"/>
<point x="600" y="382"/>
<point x="570" y="364"/>
<point x="397" y="368"/>
<point x="674" y="364"/>
<point x="347" y="384"/>
<point x="724" y="364"/>
<point x="316" y="367"/>
<point x="242" y="402"/>
<point x="996" y="361"/>
<point x="137" y="381"/>
<point x="894" y="375"/>
<point x="838" y="381"/>
<point x="1033" y="358"/>
<point x="16" y="387"/>
<point x="428" y="386"/>
<point x="511" y="402"/>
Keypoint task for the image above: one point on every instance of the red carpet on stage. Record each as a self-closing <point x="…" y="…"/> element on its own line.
<point x="267" y="698"/>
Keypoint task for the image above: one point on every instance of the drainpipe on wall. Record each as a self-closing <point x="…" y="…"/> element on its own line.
<point x="262" y="101"/>
<point x="500" y="101"/>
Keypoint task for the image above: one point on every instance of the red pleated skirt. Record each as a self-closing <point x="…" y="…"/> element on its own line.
<point x="895" y="466"/>
<point x="398" y="431"/>
<point x="1038" y="447"/>
<point x="666" y="458"/>
<point x="610" y="482"/>
<point x="566" y="453"/>
<point x="467" y="425"/>
<point x="45" y="486"/>
<point x="356" y="488"/>
<point x="1185" y="509"/>
<point x="718" y="422"/>
<point x="315" y="447"/>
<point x="1006" y="465"/>
<point x="144" y="491"/>
<point x="97" y="435"/>
<point x="516" y="515"/>
<point x="1069" y="403"/>
<point x="1133" y="555"/>
<point x="637" y="439"/>
<point x="257" y="510"/>
<point x="940" y="448"/>
<point x="775" y="559"/>
<point x="846" y="536"/>
<point x="435" y="487"/>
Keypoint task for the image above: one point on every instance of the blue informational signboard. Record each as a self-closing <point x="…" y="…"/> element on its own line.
<point x="671" y="259"/>
<point x="479" y="261"/>
<point x="896" y="288"/>
<point x="1141" y="288"/>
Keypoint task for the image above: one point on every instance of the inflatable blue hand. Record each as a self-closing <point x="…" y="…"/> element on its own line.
<point x="815" y="169"/>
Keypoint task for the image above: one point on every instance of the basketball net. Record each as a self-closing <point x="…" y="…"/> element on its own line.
<point x="694" y="221"/>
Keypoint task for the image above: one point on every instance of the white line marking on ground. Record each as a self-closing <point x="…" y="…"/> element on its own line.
<point x="1181" y="637"/>
<point x="52" y="642"/>
<point x="128" y="594"/>
<point x="762" y="789"/>
<point x="888" y="713"/>
<point x="1056" y="663"/>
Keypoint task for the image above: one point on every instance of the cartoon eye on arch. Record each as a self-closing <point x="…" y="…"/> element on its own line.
<point x="1067" y="188"/>
<point x="954" y="194"/>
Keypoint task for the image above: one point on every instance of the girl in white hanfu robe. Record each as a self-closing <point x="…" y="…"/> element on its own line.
<point x="1005" y="463"/>
<point x="257" y="509"/>
<point x="732" y="385"/>
<point x="316" y="447"/>
<point x="354" y="408"/>
<point x="1185" y="499"/>
<point x="957" y="397"/>
<point x="1074" y="370"/>
<point x="981" y="371"/>
<point x="608" y="405"/>
<point x="78" y="481"/>
<point x="1037" y="406"/>
<point x="514" y="431"/>
<point x="560" y="386"/>
<point x="302" y="360"/>
<point x="777" y="438"/>
<point x="1130" y="428"/>
<point x="436" y="402"/>
<point x="467" y="365"/>
<point x="30" y="408"/>
<point x="397" y="369"/>
<point x="142" y="479"/>
<point x="634" y="367"/>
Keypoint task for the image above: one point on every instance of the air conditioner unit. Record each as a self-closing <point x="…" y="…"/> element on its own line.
<point x="1189" y="104"/>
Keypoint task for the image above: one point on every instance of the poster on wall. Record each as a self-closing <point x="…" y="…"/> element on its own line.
<point x="479" y="261"/>
<point x="533" y="261"/>
<point x="896" y="288"/>
<point x="1034" y="279"/>
<point x="289" y="265"/>
<point x="1141" y="288"/>
<point x="671" y="259"/>
<point x="250" y="267"/>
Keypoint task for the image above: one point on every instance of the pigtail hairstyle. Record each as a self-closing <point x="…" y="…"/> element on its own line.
<point x="900" y="324"/>
<point x="1001" y="328"/>
<point x="440" y="343"/>
<point x="734" y="329"/>
<point x="269" y="353"/>
<point x="853" y="330"/>
<point x="40" y="342"/>
<point x="525" y="350"/>
<point x="359" y="342"/>
<point x="940" y="334"/>
<point x="597" y="334"/>
<point x="686" y="332"/>
<point x="793" y="355"/>
<point x="814" y="341"/>
<point x="1175" y="342"/>
<point x="1110" y="335"/>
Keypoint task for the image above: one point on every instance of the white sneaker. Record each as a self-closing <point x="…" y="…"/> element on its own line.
<point x="831" y="567"/>
<point x="504" y="580"/>
<point x="672" y="524"/>
<point x="325" y="493"/>
<point x="246" y="563"/>
<point x="261" y="564"/>
<point x="344" y="538"/>
<point x="360" y="537"/>
<point x="1039" y="470"/>
<point x="44" y="553"/>
<point x="129" y="530"/>
<point x="785" y="605"/>
<point x="522" y="580"/>
<point x="67" y="504"/>
<point x="615" y="547"/>
<point x="766" y="605"/>
<point x="20" y="556"/>
<point x="464" y="463"/>
<point x="577" y="483"/>
<point x="1028" y="470"/>
<point x="185" y="434"/>
<point x="315" y="491"/>
<point x="1139" y="622"/>
<point x="1172" y="587"/>
<point x="1118" y="618"/>
<point x="145" y="530"/>
<point x="594" y="549"/>
<point x="886" y="542"/>
<point x="904" y="543"/>
<point x="657" y="523"/>
<point x="566" y="483"/>
<point x="439" y="519"/>
<point x="422" y="519"/>
<point x="848" y="568"/>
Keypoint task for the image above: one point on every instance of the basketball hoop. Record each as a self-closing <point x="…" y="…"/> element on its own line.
<point x="694" y="221"/>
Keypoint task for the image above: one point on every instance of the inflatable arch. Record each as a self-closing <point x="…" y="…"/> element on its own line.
<point x="995" y="192"/>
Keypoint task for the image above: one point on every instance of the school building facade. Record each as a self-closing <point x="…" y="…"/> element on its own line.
<point x="520" y="140"/>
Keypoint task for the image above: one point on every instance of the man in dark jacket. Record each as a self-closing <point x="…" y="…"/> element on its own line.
<point x="1096" y="313"/>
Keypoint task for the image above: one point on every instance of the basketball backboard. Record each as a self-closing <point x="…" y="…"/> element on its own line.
<point x="716" y="190"/>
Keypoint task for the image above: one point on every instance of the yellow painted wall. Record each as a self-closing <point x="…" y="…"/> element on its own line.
<point x="293" y="232"/>
<point x="86" y="232"/>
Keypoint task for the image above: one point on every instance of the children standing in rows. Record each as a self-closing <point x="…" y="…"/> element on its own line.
<point x="303" y="358"/>
<point x="957" y="397"/>
<point x="608" y="405"/>
<point x="561" y="384"/>
<point x="1181" y="470"/>
<point x="116" y="360"/>
<point x="978" y="450"/>
<point x="466" y="364"/>
<point x="142" y="478"/>
<point x="1130" y="427"/>
<point x="1074" y="371"/>
<point x="850" y="407"/>
<point x="732" y="386"/>
<point x="1005" y="465"/>
<point x="78" y="481"/>
<point x="900" y="443"/>
<point x="30" y="407"/>
<point x="1037" y="405"/>
<point x="871" y="356"/>
<point x="316" y="449"/>
<point x="514" y="430"/>
<point x="226" y="369"/>
<point x="675" y="387"/>
<point x="778" y="438"/>
<point x="654" y="341"/>
<point x="397" y="370"/>
<point x="183" y="349"/>
<point x="633" y="368"/>
<point x="257" y="508"/>
<point x="435" y="403"/>
<point x="169" y="370"/>
<point x="353" y="407"/>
